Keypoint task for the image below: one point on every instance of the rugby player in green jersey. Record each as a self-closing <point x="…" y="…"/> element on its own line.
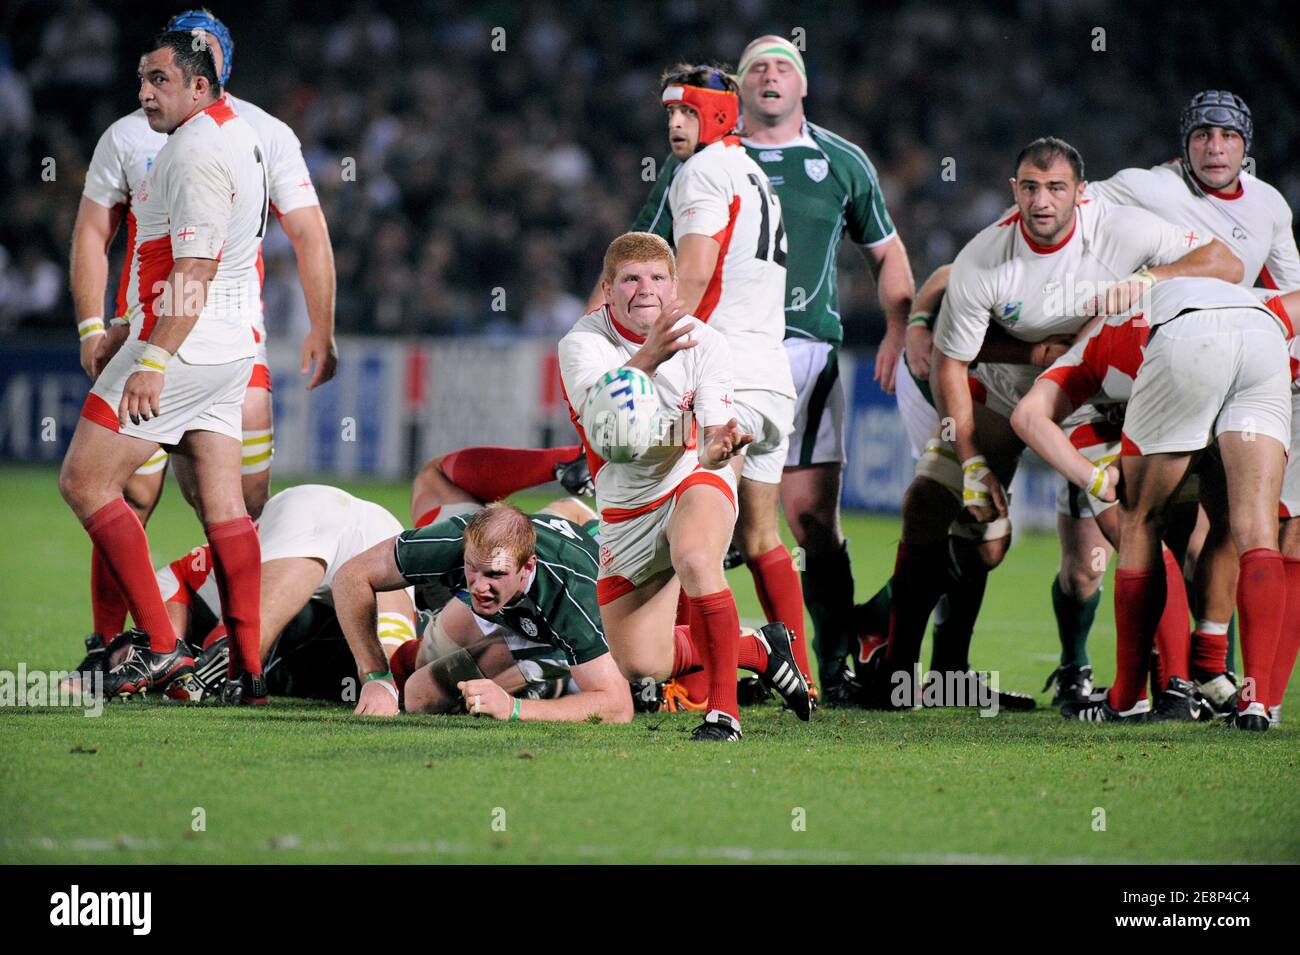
<point x="827" y="187"/>
<point x="534" y="578"/>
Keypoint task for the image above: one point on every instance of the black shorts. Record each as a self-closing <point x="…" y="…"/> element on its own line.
<point x="311" y="658"/>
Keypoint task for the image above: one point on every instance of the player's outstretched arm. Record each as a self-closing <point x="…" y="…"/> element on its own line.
<point x="309" y="234"/>
<point x="919" y="338"/>
<point x="1036" y="420"/>
<point x="355" y="587"/>
<point x="895" y="289"/>
<point x="605" y="694"/>
<point x="88" y="274"/>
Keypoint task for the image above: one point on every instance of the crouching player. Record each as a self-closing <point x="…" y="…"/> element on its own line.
<point x="530" y="578"/>
<point x="1207" y="365"/>
<point x="306" y="533"/>
<point x="670" y="514"/>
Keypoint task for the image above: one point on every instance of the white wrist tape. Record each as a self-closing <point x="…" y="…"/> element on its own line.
<point x="974" y="492"/>
<point x="1100" y="480"/>
<point x="90" y="328"/>
<point x="387" y="686"/>
<point x="153" y="358"/>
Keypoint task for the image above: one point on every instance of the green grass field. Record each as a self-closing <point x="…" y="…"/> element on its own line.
<point x="301" y="782"/>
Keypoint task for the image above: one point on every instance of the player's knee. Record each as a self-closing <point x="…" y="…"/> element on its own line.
<point x="700" y="570"/>
<point x="427" y="476"/>
<point x="1080" y="581"/>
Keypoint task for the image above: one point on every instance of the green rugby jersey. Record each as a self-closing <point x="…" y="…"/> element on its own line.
<point x="559" y="609"/>
<point x="827" y="187"/>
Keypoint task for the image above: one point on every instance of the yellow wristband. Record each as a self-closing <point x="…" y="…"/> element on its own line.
<point x="1097" y="486"/>
<point x="153" y="358"/>
<point x="90" y="328"/>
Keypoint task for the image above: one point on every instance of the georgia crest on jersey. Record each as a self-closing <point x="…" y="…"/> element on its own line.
<point x="722" y="193"/>
<point x="206" y="197"/>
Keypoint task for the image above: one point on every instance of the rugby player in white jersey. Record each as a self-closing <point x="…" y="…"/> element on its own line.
<point x="179" y="382"/>
<point x="117" y="172"/>
<point x="669" y="515"/>
<point x="1204" y="363"/>
<point x="729" y="237"/>
<point x="1039" y="272"/>
<point x="1208" y="189"/>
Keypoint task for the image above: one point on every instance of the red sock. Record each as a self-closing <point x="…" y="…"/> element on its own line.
<point x="1173" y="641"/>
<point x="107" y="604"/>
<point x="1289" y="645"/>
<point x="1210" y="651"/>
<point x="237" y="565"/>
<point x="118" y="533"/>
<point x="753" y="655"/>
<point x="216" y="633"/>
<point x="402" y="663"/>
<point x="491" y="474"/>
<point x="720" y="624"/>
<point x="917" y="586"/>
<point x="1139" y="600"/>
<point x="683" y="609"/>
<point x="689" y="661"/>
<point x="1261" y="604"/>
<point x="781" y="595"/>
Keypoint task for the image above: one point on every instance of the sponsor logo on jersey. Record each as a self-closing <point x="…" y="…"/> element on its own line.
<point x="1010" y="312"/>
<point x="816" y="169"/>
<point x="528" y="626"/>
<point x="770" y="155"/>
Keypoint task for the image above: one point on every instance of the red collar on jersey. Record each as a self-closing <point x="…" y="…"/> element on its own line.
<point x="623" y="329"/>
<point x="718" y="110"/>
<point x="1047" y="249"/>
<point x="220" y="111"/>
<point x="1241" y="189"/>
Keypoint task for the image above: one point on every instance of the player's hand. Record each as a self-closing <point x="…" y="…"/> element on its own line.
<point x="887" y="358"/>
<point x="982" y="493"/>
<point x="88" y="348"/>
<point x="918" y="340"/>
<point x="1045" y="353"/>
<point x="664" y="340"/>
<point x="320" y="349"/>
<point x="104" y="347"/>
<point x="485" y="698"/>
<point x="1119" y="298"/>
<point x="378" y="698"/>
<point x="1104" y="485"/>
<point x="140" y="397"/>
<point x="723" y="444"/>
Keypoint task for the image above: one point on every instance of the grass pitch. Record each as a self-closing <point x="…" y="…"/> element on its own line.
<point x="305" y="782"/>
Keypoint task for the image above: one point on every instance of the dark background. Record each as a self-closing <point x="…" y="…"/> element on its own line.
<point x="478" y="170"/>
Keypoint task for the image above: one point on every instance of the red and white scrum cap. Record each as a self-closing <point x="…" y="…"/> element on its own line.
<point x="717" y="107"/>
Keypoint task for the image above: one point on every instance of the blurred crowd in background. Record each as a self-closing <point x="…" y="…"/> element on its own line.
<point x="485" y="183"/>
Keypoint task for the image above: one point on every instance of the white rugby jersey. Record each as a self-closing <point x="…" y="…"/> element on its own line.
<point x="1254" y="221"/>
<point x="722" y="193"/>
<point x="206" y="197"/>
<point x="1033" y="291"/>
<point x="125" y="153"/>
<point x="694" y="388"/>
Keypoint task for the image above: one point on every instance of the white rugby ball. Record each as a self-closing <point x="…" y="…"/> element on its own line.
<point x="621" y="417"/>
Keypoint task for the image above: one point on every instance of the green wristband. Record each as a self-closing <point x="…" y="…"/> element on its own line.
<point x="920" y="318"/>
<point x="379" y="676"/>
<point x="514" y="714"/>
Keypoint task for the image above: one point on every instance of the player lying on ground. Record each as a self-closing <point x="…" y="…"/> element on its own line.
<point x="530" y="582"/>
<point x="471" y="477"/>
<point x="1053" y="241"/>
<point x="725" y="221"/>
<point x="193" y="300"/>
<point x="1204" y="363"/>
<point x="115" y="189"/>
<point x="667" y="517"/>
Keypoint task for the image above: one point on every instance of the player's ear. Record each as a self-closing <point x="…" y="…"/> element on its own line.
<point x="1082" y="188"/>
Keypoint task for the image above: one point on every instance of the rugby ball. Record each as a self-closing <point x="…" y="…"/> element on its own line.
<point x="621" y="417"/>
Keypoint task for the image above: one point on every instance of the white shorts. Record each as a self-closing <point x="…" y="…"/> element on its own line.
<point x="1097" y="437"/>
<point x="1291" y="477"/>
<point x="194" y="397"/>
<point x="633" y="548"/>
<point x="769" y="417"/>
<point x="322" y="523"/>
<point x="819" y="407"/>
<point x="920" y="420"/>
<point x="259" y="444"/>
<point x="1206" y="373"/>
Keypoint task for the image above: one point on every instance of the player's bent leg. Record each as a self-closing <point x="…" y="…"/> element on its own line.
<point x="287" y="584"/>
<point x="257" y="441"/>
<point x="639" y="628"/>
<point x="97" y="466"/>
<point x="1076" y="595"/>
<point x="432" y="490"/>
<point x="571" y="509"/>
